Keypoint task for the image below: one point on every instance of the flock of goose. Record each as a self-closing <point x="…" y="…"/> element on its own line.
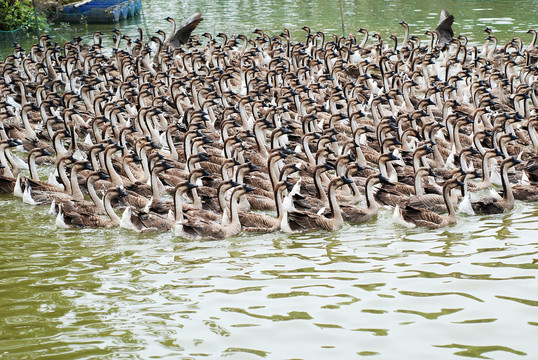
<point x="209" y="136"/>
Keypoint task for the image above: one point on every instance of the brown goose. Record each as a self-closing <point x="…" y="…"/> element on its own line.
<point x="412" y="217"/>
<point x="42" y="195"/>
<point x="95" y="207"/>
<point x="256" y="222"/>
<point x="433" y="202"/>
<point x="81" y="220"/>
<point x="293" y="221"/>
<point x="7" y="181"/>
<point x="356" y="215"/>
<point x="492" y="205"/>
<point x="196" y="228"/>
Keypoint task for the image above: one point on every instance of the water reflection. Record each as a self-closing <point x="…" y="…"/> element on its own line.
<point x="507" y="19"/>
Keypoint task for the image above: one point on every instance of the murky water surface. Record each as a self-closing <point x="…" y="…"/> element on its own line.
<point x="469" y="290"/>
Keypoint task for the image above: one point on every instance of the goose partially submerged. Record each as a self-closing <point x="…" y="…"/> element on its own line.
<point x="412" y="216"/>
<point x="200" y="228"/>
<point x="80" y="220"/>
<point x="494" y="204"/>
<point x="293" y="221"/>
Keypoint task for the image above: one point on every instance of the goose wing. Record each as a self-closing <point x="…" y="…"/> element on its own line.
<point x="43" y="186"/>
<point x="422" y="217"/>
<point x="256" y="220"/>
<point x="433" y="202"/>
<point x="487" y="206"/>
<point x="525" y="193"/>
<point x="355" y="215"/>
<point x="204" y="228"/>
<point x="7" y="185"/>
<point x="79" y="206"/>
<point x="142" y="220"/>
<point x="303" y="220"/>
<point x="182" y="35"/>
<point x="85" y="220"/>
<point x="388" y="197"/>
<point x="444" y="28"/>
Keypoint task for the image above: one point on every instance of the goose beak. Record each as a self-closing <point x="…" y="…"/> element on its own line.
<point x="383" y="179"/>
<point x="346" y="180"/>
<point x="191" y="185"/>
<point x="103" y="176"/>
<point x="121" y="192"/>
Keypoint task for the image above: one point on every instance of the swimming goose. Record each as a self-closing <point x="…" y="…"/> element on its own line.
<point x="32" y="155"/>
<point x="64" y="187"/>
<point x="293" y="221"/>
<point x="356" y="215"/>
<point x="426" y="218"/>
<point x="206" y="229"/>
<point x="95" y="206"/>
<point x="81" y="220"/>
<point x="39" y="193"/>
<point x="494" y="205"/>
<point x="7" y="181"/>
<point x="430" y="201"/>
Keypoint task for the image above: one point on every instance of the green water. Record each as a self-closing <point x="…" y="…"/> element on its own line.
<point x="507" y="18"/>
<point x="375" y="290"/>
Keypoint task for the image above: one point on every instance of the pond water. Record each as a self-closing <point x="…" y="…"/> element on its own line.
<point x="507" y="18"/>
<point x="376" y="289"/>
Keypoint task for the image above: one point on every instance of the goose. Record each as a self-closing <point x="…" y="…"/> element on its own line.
<point x="293" y="221"/>
<point x="32" y="155"/>
<point x="142" y="221"/>
<point x="135" y="193"/>
<point x="7" y="181"/>
<point x="65" y="187"/>
<point x="494" y="205"/>
<point x="36" y="193"/>
<point x="356" y="215"/>
<point x="258" y="199"/>
<point x="431" y="201"/>
<point x="256" y="222"/>
<point x="417" y="217"/>
<point x="80" y="220"/>
<point x="313" y="197"/>
<point x="181" y="36"/>
<point x="525" y="192"/>
<point x="486" y="180"/>
<point x="206" y="229"/>
<point x="95" y="206"/>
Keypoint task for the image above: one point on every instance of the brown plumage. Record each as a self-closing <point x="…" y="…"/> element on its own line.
<point x="430" y="219"/>
<point x="492" y="205"/>
<point x="304" y="220"/>
<point x="80" y="220"/>
<point x="356" y="215"/>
